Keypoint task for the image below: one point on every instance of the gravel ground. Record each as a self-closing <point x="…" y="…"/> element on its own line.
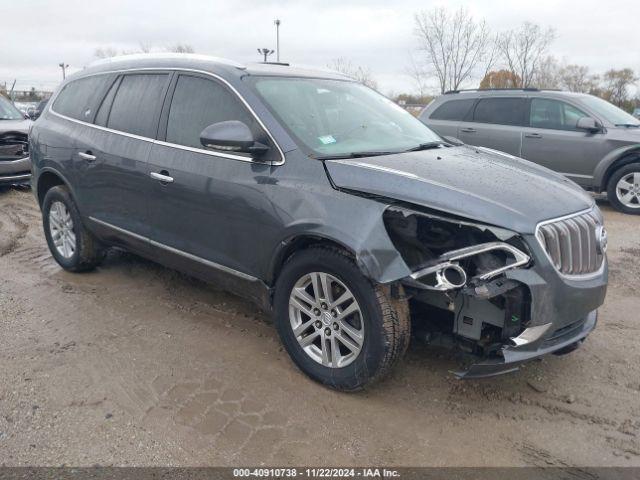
<point x="135" y="364"/>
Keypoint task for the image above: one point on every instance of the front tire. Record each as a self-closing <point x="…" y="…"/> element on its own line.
<point x="338" y="327"/>
<point x="71" y="244"/>
<point x="623" y="189"/>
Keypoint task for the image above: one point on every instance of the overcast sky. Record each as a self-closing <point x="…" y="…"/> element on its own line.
<point x="37" y="35"/>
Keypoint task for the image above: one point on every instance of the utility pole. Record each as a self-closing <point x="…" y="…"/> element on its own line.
<point x="64" y="67"/>
<point x="277" y="24"/>
<point x="265" y="52"/>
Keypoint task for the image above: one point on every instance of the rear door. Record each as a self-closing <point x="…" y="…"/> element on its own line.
<point x="207" y="218"/>
<point x="112" y="159"/>
<point x="551" y="139"/>
<point x="496" y="122"/>
<point x="445" y="118"/>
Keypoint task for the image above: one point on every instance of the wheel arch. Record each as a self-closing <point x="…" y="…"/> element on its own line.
<point x="612" y="162"/>
<point x="300" y="242"/>
<point x="47" y="179"/>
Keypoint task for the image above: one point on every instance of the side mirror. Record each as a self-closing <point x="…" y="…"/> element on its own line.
<point x="589" y="124"/>
<point x="231" y="136"/>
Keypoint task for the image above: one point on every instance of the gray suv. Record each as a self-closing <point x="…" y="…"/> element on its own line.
<point x="15" y="167"/>
<point x="589" y="140"/>
<point x="326" y="204"/>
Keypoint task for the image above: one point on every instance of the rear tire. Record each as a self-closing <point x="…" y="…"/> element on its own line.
<point x="380" y="326"/>
<point x="623" y="189"/>
<point x="71" y="244"/>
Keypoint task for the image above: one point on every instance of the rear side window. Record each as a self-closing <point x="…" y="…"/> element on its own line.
<point x="453" y="110"/>
<point x="554" y="114"/>
<point x="136" y="104"/>
<point x="196" y="104"/>
<point x="77" y="99"/>
<point x="502" y="111"/>
<point x="105" y="107"/>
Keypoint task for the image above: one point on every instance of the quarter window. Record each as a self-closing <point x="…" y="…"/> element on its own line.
<point x="502" y="111"/>
<point x="77" y="98"/>
<point x="453" y="110"/>
<point x="198" y="103"/>
<point x="554" y="114"/>
<point x="136" y="104"/>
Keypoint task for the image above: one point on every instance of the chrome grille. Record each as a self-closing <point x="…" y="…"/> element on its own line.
<point x="572" y="243"/>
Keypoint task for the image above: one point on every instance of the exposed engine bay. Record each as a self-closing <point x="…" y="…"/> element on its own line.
<point x="459" y="295"/>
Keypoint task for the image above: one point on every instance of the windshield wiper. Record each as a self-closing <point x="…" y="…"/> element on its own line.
<point x="425" y="146"/>
<point x="343" y="156"/>
<point x="628" y="125"/>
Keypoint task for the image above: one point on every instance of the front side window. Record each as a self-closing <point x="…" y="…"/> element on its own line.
<point x="609" y="111"/>
<point x="453" y="110"/>
<point x="77" y="98"/>
<point x="501" y="111"/>
<point x="198" y="103"/>
<point x="8" y="111"/>
<point x="333" y="117"/>
<point x="554" y="114"/>
<point x="137" y="103"/>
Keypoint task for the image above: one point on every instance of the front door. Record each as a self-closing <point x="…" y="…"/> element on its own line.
<point x="552" y="140"/>
<point x="206" y="206"/>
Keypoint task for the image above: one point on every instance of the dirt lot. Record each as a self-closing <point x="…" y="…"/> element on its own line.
<point x="135" y="364"/>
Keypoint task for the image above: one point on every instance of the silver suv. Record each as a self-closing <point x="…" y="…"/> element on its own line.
<point x="589" y="140"/>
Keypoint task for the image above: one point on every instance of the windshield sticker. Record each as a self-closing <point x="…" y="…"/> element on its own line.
<point x="327" y="139"/>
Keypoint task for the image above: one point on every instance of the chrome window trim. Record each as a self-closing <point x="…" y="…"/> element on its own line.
<point x="175" y="145"/>
<point x="182" y="253"/>
<point x="583" y="276"/>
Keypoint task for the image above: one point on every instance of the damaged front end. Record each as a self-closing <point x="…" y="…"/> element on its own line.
<point x="472" y="288"/>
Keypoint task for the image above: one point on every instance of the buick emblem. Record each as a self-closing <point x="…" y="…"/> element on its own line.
<point x="601" y="239"/>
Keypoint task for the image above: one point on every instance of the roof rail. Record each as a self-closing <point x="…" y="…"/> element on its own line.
<point x="524" y="89"/>
<point x="277" y="63"/>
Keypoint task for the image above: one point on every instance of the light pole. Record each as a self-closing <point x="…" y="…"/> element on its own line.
<point x="277" y="24"/>
<point x="265" y="52"/>
<point x="64" y="67"/>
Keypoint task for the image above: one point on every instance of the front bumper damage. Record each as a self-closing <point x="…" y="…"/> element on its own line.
<point x="555" y="341"/>
<point x="499" y="299"/>
<point x="15" y="172"/>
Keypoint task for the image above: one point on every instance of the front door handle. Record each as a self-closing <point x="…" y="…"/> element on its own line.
<point x="88" y="156"/>
<point x="468" y="130"/>
<point x="533" y="135"/>
<point x="162" y="176"/>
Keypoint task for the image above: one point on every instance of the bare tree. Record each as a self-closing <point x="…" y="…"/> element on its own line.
<point x="453" y="44"/>
<point x="181" y="48"/>
<point x="616" y="85"/>
<point x="577" y="78"/>
<point x="524" y="48"/>
<point x="105" y="52"/>
<point x="419" y="76"/>
<point x="346" y="67"/>
<point x="547" y="74"/>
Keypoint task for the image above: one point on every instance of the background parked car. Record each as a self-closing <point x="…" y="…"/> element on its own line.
<point x="15" y="166"/>
<point x="636" y="113"/>
<point x="589" y="140"/>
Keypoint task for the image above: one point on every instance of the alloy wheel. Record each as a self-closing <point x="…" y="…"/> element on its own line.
<point x="326" y="319"/>
<point x="61" y="229"/>
<point x="628" y="190"/>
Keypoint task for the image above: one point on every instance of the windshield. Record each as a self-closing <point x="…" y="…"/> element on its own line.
<point x="8" y="111"/>
<point x="609" y="111"/>
<point x="334" y="118"/>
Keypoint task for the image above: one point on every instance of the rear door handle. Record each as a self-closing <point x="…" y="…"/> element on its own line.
<point x="533" y="135"/>
<point x="88" y="156"/>
<point x="162" y="176"/>
<point x="468" y="130"/>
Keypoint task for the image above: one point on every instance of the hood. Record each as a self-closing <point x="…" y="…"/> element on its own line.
<point x="20" y="126"/>
<point x="624" y="134"/>
<point x="470" y="182"/>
